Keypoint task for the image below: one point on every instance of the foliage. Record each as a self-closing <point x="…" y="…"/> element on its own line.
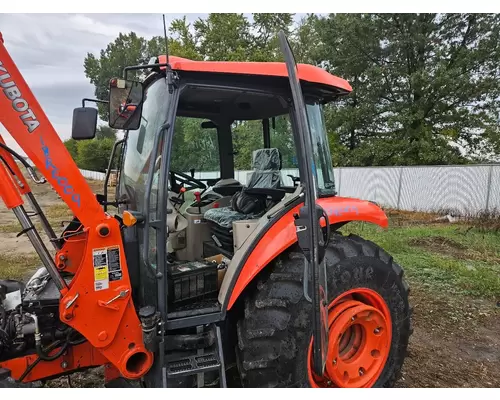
<point x="93" y="154"/>
<point x="426" y="87"/>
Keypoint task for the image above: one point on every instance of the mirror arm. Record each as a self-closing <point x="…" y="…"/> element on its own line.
<point x="93" y="101"/>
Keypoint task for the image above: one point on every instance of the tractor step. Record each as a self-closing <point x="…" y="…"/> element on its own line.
<point x="202" y="362"/>
<point x="193" y="365"/>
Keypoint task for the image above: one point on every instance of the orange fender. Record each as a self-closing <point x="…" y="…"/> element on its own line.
<point x="282" y="235"/>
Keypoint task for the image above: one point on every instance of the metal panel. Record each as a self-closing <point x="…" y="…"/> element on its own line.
<point x="460" y="190"/>
<point x="494" y="199"/>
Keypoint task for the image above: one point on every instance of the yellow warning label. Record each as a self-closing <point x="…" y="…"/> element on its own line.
<point x="100" y="273"/>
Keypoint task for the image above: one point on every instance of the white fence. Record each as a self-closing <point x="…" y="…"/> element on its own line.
<point x="98" y="176"/>
<point x="462" y="189"/>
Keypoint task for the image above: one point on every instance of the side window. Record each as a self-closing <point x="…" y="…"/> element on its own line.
<point x="194" y="147"/>
<point x="281" y="137"/>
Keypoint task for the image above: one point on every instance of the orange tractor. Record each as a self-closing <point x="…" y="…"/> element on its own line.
<point x="247" y="284"/>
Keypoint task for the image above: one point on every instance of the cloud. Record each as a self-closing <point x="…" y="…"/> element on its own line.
<point x="50" y="49"/>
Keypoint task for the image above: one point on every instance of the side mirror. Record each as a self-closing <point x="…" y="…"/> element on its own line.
<point x="84" y="123"/>
<point x="125" y="104"/>
<point x="208" y="125"/>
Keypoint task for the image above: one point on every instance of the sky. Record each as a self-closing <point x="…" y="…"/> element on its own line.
<point x="50" y="49"/>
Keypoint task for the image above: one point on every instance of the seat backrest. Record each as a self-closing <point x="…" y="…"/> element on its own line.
<point x="266" y="164"/>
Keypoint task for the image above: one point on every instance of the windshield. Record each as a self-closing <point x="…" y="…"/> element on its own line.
<point x="322" y="156"/>
<point x="139" y="147"/>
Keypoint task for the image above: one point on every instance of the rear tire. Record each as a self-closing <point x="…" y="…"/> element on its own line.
<point x="275" y="332"/>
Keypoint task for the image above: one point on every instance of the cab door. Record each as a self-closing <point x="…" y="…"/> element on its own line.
<point x="307" y="224"/>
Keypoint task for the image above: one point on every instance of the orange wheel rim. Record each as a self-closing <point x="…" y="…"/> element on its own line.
<point x="359" y="340"/>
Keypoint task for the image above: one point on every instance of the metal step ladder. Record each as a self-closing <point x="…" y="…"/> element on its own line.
<point x="201" y="363"/>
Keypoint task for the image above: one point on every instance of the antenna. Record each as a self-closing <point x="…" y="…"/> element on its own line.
<point x="165" y="36"/>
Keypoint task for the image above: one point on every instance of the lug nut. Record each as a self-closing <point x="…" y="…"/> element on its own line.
<point x="361" y="372"/>
<point x="64" y="365"/>
<point x="376" y="331"/>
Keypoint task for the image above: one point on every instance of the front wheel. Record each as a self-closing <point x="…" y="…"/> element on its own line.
<point x="369" y="321"/>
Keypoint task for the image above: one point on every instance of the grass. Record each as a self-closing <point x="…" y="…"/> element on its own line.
<point x="443" y="257"/>
<point x="19" y="266"/>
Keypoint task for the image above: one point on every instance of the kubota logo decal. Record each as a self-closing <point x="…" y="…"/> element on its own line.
<point x="338" y="211"/>
<point x="13" y="93"/>
<point x="61" y="181"/>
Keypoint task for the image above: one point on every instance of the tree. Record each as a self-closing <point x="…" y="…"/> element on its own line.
<point x="426" y="86"/>
<point x="105" y="132"/>
<point x="94" y="154"/>
<point x="72" y="146"/>
<point x="127" y="49"/>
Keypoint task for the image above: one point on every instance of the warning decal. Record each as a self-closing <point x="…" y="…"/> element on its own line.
<point x="114" y="266"/>
<point x="101" y="280"/>
<point x="107" y="267"/>
<point x="100" y="273"/>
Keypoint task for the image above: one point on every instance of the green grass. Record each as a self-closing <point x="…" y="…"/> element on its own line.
<point x="19" y="266"/>
<point x="442" y="257"/>
<point x="12" y="227"/>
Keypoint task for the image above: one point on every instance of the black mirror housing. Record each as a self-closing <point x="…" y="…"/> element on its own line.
<point x="208" y="125"/>
<point x="125" y="104"/>
<point x="84" y="123"/>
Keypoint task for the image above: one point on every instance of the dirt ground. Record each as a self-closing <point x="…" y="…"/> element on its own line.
<point x="456" y="339"/>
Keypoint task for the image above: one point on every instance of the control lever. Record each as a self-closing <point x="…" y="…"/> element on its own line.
<point x="197" y="195"/>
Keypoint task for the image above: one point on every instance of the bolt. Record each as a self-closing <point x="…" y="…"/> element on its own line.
<point x="62" y="257"/>
<point x="376" y="331"/>
<point x="335" y="361"/>
<point x="361" y="372"/>
<point x="64" y="365"/>
<point x="353" y="318"/>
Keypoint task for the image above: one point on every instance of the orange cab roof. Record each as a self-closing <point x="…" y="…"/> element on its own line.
<point x="306" y="72"/>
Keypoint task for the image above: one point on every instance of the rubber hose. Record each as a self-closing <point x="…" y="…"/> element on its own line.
<point x="37" y="361"/>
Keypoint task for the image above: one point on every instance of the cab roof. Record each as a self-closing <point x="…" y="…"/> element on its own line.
<point x="306" y="72"/>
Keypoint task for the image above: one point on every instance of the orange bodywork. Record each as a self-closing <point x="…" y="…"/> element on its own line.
<point x="90" y="304"/>
<point x="21" y="183"/>
<point x="306" y="72"/>
<point x="282" y="234"/>
<point x="76" y="357"/>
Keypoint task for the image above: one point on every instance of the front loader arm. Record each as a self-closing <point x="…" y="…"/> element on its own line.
<point x="24" y="118"/>
<point x="97" y="302"/>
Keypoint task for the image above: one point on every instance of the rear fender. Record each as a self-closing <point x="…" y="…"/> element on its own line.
<point x="281" y="235"/>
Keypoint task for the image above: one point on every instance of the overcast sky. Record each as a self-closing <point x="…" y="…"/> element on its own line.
<point x="49" y="50"/>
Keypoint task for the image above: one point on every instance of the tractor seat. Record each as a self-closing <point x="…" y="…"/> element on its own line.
<point x="266" y="175"/>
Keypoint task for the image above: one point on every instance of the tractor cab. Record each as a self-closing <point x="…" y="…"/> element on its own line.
<point x="232" y="158"/>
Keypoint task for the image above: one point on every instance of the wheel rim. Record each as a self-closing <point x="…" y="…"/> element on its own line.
<point x="360" y="334"/>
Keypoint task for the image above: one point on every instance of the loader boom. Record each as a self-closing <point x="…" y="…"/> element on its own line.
<point x="24" y="118"/>
<point x="97" y="300"/>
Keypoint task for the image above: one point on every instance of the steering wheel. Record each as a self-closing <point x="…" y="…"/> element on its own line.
<point x="188" y="182"/>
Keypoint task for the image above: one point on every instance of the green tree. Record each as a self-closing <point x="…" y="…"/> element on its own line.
<point x="223" y="37"/>
<point x="424" y="85"/>
<point x="72" y="146"/>
<point x="94" y="155"/>
<point x="105" y="132"/>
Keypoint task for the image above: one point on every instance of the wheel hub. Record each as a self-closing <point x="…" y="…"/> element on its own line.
<point x="359" y="340"/>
